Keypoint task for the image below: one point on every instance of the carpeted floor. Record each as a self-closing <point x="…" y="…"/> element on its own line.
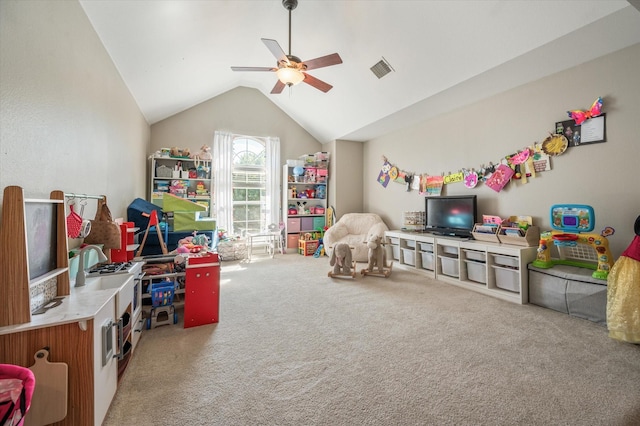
<point x="294" y="347"/>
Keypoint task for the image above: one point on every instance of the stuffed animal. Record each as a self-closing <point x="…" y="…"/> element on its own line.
<point x="193" y="244"/>
<point x="204" y="154"/>
<point x="377" y="256"/>
<point x="341" y="259"/>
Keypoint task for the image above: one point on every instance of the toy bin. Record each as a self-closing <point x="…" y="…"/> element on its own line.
<point x="307" y="247"/>
<point x="486" y="233"/>
<point x="292" y="241"/>
<point x="162" y="293"/>
<point x="478" y="256"/>
<point x="411" y="244"/>
<point x="409" y="256"/>
<point x="451" y="250"/>
<point x="162" y="309"/>
<point x="426" y="247"/>
<point x="476" y="271"/>
<point x="394" y="240"/>
<point x="396" y="252"/>
<point x="293" y="225"/>
<point x="427" y="260"/>
<point x="306" y="224"/>
<point x="449" y="265"/>
<point x="501" y="260"/>
<point x="507" y="278"/>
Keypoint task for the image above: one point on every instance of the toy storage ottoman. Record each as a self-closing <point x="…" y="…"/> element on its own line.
<point x="569" y="289"/>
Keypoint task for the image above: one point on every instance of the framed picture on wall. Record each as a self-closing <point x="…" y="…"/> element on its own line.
<point x="590" y="131"/>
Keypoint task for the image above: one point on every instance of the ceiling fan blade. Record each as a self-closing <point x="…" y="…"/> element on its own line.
<point x="254" y="69"/>
<point x="318" y="84"/>
<point x="323" y="61"/>
<point x="278" y="88"/>
<point x="276" y="50"/>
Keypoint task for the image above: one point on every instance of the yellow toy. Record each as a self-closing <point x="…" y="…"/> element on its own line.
<point x="577" y="248"/>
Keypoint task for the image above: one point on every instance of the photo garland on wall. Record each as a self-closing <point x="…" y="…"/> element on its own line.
<point x="584" y="127"/>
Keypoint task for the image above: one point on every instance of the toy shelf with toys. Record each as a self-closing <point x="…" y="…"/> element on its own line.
<point x="185" y="177"/>
<point x="304" y="197"/>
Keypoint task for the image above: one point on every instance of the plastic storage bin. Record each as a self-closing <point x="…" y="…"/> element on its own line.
<point x="394" y="240"/>
<point x="427" y="260"/>
<point x="449" y="265"/>
<point x="449" y="250"/>
<point x="409" y="257"/>
<point x="501" y="260"/>
<point x="426" y="246"/>
<point x="396" y="252"/>
<point x="475" y="255"/>
<point x="476" y="271"/>
<point x="507" y="278"/>
<point x="411" y="243"/>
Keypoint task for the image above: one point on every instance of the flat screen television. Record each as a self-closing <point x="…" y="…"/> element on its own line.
<point x="452" y="215"/>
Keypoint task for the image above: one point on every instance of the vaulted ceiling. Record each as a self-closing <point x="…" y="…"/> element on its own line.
<point x="175" y="54"/>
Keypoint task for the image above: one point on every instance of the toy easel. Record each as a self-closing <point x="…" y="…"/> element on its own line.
<point x="153" y="221"/>
<point x="576" y="246"/>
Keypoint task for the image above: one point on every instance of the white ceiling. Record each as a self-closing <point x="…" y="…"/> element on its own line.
<point x="173" y="55"/>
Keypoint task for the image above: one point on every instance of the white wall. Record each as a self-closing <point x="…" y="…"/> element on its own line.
<point x="243" y="111"/>
<point x="67" y="121"/>
<point x="347" y="177"/>
<point x="602" y="175"/>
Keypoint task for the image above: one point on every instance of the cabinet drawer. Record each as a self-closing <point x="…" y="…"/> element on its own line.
<point x="293" y="225"/>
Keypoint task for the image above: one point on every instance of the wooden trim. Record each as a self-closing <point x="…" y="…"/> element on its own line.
<point x="68" y="344"/>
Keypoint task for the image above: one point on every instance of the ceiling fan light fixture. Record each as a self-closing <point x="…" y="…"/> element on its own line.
<point x="290" y="76"/>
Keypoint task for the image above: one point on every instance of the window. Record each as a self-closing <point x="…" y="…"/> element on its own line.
<point x="246" y="170"/>
<point x="249" y="185"/>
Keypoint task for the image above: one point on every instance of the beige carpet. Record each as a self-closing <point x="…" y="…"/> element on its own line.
<point x="294" y="347"/>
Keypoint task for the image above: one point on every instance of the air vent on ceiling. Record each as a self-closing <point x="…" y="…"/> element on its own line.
<point x="382" y="68"/>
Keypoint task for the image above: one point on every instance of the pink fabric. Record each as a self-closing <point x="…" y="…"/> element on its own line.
<point x="9" y="371"/>
<point x="633" y="251"/>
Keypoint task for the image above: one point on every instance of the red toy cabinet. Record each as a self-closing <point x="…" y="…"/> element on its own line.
<point x="127" y="244"/>
<point x="202" y="290"/>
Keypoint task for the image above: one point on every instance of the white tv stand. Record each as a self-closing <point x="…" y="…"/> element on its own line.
<point x="494" y="269"/>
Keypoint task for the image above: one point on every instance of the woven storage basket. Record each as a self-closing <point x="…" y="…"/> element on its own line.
<point x="163" y="171"/>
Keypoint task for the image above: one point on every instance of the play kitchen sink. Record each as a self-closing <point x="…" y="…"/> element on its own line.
<point x="124" y="283"/>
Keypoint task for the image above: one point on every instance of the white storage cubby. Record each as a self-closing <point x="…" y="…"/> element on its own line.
<point x="183" y="177"/>
<point x="412" y="250"/>
<point x="304" y="200"/>
<point x="492" y="268"/>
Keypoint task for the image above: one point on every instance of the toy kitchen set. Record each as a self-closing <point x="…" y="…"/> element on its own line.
<point x="77" y="336"/>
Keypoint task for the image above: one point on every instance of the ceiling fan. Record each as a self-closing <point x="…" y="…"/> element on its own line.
<point x="290" y="69"/>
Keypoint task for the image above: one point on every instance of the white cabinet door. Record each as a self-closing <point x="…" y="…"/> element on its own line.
<point x="105" y="376"/>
